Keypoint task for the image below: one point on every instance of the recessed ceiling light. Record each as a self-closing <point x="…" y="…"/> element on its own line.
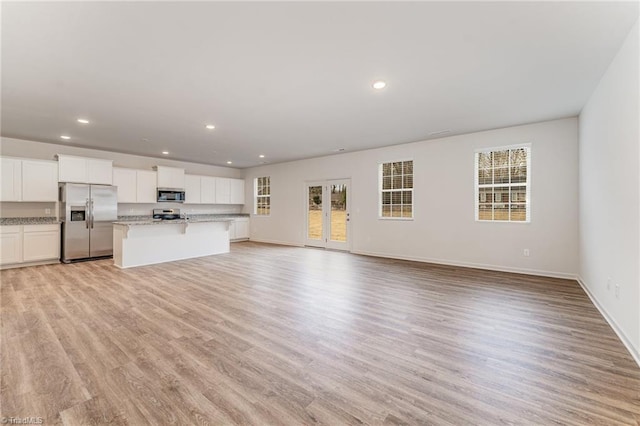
<point x="261" y="155"/>
<point x="83" y="121"/>
<point x="65" y="137"/>
<point x="165" y="152"/>
<point x="229" y="162"/>
<point x="210" y="126"/>
<point x="379" y="84"/>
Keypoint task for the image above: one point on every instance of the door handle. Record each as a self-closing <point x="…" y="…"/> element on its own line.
<point x="86" y="213"/>
<point x="91" y="214"/>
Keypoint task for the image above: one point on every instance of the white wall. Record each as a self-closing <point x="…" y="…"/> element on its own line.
<point x="444" y="229"/>
<point x="609" y="198"/>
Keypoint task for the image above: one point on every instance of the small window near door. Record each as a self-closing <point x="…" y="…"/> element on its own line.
<point x="262" y="190"/>
<point x="396" y="190"/>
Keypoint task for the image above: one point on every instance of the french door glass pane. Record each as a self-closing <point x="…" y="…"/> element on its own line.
<point x="314" y="231"/>
<point x="339" y="212"/>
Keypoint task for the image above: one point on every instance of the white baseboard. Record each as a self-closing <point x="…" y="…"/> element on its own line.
<point x="612" y="322"/>
<point x="280" y="243"/>
<point x="37" y="263"/>
<point x="489" y="267"/>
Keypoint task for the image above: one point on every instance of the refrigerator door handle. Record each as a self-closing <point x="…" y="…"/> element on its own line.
<point x="86" y="209"/>
<point x="92" y="213"/>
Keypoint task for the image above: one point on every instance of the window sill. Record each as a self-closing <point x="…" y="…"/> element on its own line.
<point x="526" y="222"/>
<point x="403" y="219"/>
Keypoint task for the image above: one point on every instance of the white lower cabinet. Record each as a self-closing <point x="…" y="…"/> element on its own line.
<point x="239" y="229"/>
<point x="40" y="242"/>
<point x="23" y="244"/>
<point x="10" y="244"/>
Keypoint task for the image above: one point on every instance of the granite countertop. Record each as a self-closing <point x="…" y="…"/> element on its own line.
<point x="12" y="221"/>
<point x="193" y="218"/>
<point x="171" y="222"/>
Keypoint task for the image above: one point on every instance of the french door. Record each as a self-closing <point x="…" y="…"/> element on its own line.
<point x="328" y="221"/>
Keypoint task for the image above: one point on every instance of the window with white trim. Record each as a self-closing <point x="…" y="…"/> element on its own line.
<point x="503" y="184"/>
<point x="262" y="191"/>
<point x="396" y="190"/>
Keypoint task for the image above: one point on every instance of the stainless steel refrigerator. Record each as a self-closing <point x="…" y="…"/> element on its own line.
<point x="87" y="213"/>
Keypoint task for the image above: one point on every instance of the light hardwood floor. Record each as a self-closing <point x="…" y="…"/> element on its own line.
<point x="284" y="335"/>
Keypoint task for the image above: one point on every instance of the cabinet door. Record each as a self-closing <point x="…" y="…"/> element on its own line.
<point x="11" y="179"/>
<point x="39" y="180"/>
<point x="72" y="169"/>
<point x="223" y="191"/>
<point x="242" y="229"/>
<point x="41" y="242"/>
<point x="170" y="177"/>
<point x="125" y="180"/>
<point x="207" y="190"/>
<point x="10" y="245"/>
<point x="147" y="190"/>
<point x="237" y="191"/>
<point x="100" y="171"/>
<point x="191" y="189"/>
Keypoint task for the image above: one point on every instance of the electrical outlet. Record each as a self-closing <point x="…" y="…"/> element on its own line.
<point x="525" y="252"/>
<point x="609" y="283"/>
<point x="47" y="211"/>
<point x="617" y="291"/>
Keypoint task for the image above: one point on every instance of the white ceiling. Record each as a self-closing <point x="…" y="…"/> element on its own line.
<point x="293" y="80"/>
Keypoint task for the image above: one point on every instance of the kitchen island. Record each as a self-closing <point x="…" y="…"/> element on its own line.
<point x="137" y="243"/>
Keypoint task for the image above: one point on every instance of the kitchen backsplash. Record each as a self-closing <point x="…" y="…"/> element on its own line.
<point x="26" y="209"/>
<point x="125" y="209"/>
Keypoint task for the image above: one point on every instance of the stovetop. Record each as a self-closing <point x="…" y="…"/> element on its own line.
<point x="166" y="214"/>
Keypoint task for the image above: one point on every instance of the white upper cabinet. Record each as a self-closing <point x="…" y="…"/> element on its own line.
<point x="146" y="186"/>
<point x="237" y="191"/>
<point x="135" y="186"/>
<point x="200" y="189"/>
<point x="29" y="180"/>
<point x="100" y="171"/>
<point x="170" y="177"/>
<point x="207" y="190"/>
<point x="72" y="169"/>
<point x="125" y="180"/>
<point x="223" y="190"/>
<point x="11" y="173"/>
<point x="39" y="180"/>
<point x="192" y="187"/>
<point x="84" y="170"/>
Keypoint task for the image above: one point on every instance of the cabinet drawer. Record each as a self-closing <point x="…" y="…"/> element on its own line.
<point x="11" y="229"/>
<point x="41" y="228"/>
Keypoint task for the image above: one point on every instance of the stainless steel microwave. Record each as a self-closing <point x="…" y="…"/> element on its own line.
<point x="170" y="195"/>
